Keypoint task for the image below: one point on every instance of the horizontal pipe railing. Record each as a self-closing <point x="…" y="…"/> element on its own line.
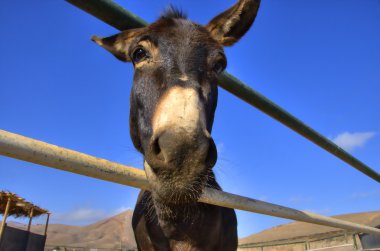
<point x="118" y="17"/>
<point x="38" y="152"/>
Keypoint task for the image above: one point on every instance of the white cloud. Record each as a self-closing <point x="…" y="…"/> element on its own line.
<point x="120" y="210"/>
<point x="81" y="216"/>
<point x="364" y="195"/>
<point x="350" y="141"/>
<point x="221" y="148"/>
<point x="300" y="199"/>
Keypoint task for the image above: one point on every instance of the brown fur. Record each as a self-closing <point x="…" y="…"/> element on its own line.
<point x="174" y="60"/>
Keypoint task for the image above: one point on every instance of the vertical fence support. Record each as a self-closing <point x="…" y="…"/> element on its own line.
<point x="5" y="217"/>
<point x="30" y="218"/>
<point x="346" y="236"/>
<point x="355" y="242"/>
<point x="47" y="223"/>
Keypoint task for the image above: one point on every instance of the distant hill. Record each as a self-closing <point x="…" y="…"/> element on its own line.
<point x="300" y="230"/>
<point x="108" y="233"/>
<point x="117" y="230"/>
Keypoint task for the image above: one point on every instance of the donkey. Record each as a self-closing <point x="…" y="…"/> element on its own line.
<point x="173" y="100"/>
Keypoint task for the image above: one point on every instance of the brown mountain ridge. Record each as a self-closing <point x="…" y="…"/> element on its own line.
<point x="116" y="231"/>
<point x="112" y="233"/>
<point x="301" y="230"/>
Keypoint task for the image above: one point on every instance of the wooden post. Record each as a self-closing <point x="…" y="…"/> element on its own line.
<point x="47" y="223"/>
<point x="345" y="236"/>
<point x="5" y="217"/>
<point x="30" y="218"/>
<point x="308" y="245"/>
<point x="357" y="242"/>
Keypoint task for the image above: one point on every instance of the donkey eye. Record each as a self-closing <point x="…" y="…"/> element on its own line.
<point x="138" y="55"/>
<point x="219" y="66"/>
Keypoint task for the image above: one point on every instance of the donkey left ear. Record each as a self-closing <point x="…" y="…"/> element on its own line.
<point x="118" y="44"/>
<point x="228" y="27"/>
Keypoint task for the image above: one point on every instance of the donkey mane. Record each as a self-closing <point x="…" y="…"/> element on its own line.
<point x="173" y="12"/>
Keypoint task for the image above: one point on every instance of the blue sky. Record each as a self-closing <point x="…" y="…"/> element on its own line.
<point x="317" y="59"/>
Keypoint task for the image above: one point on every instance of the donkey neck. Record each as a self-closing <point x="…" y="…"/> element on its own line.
<point x="178" y="219"/>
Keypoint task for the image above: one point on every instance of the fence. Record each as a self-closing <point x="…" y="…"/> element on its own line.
<point x="38" y="152"/>
<point x="335" y="242"/>
<point x="70" y="248"/>
<point x="23" y="148"/>
<point x="116" y="16"/>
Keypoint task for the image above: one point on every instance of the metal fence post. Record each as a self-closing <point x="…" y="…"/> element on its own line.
<point x="30" y="219"/>
<point x="355" y="243"/>
<point x="47" y="223"/>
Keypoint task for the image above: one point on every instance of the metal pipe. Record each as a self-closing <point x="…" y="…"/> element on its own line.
<point x="110" y="13"/>
<point x="118" y="17"/>
<point x="254" y="98"/>
<point x="38" y="152"/>
<point x="224" y="199"/>
<point x="5" y="217"/>
<point x="30" y="218"/>
<point x="47" y="223"/>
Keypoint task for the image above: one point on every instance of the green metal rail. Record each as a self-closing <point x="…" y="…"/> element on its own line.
<point x="118" y="17"/>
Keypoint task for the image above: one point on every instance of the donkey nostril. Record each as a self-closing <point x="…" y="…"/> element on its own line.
<point x="177" y="149"/>
<point x="156" y="149"/>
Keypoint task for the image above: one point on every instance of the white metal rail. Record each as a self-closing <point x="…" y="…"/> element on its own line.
<point x="38" y="152"/>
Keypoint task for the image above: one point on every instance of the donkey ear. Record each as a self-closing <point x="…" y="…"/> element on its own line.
<point x="229" y="26"/>
<point x="117" y="44"/>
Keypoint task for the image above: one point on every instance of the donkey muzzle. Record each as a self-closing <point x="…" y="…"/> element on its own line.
<point x="175" y="149"/>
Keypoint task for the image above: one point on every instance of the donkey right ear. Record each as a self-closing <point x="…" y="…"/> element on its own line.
<point x="229" y="26"/>
<point x="117" y="44"/>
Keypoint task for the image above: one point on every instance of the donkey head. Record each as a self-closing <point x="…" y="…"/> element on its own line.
<point x="174" y="95"/>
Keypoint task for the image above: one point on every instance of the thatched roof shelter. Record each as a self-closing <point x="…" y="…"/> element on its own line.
<point x="19" y="207"/>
